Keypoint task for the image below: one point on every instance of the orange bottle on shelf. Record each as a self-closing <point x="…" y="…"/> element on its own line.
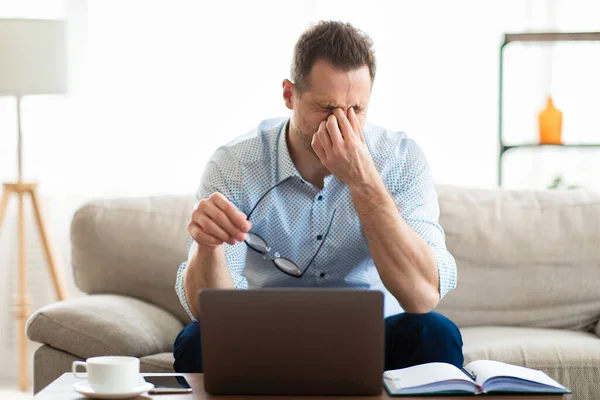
<point x="550" y="124"/>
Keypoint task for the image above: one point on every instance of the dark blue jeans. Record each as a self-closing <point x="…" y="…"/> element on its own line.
<point x="410" y="339"/>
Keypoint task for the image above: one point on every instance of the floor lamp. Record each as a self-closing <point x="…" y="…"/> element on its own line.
<point x="34" y="61"/>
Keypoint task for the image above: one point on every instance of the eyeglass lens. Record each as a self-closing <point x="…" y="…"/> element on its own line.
<point x="287" y="266"/>
<point x="259" y="244"/>
<point x="256" y="242"/>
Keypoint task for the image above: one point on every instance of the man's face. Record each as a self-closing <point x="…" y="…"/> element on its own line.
<point x="328" y="89"/>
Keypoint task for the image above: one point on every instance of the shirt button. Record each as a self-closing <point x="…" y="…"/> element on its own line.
<point x="322" y="274"/>
<point x="319" y="237"/>
<point x="320" y="198"/>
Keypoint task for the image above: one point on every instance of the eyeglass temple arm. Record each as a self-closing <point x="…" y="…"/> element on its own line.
<point x="322" y="242"/>
<point x="264" y="195"/>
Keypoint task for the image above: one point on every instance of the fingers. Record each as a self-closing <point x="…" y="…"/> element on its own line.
<point x="344" y="124"/>
<point x="237" y="218"/>
<point x="212" y="226"/>
<point x="334" y="130"/>
<point x="353" y="119"/>
<point x="216" y="221"/>
<point x="324" y="136"/>
<point x="318" y="146"/>
<point x="223" y="221"/>
<point x="201" y="237"/>
<point x="208" y="234"/>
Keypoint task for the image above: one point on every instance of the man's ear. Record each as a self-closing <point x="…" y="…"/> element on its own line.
<point x="288" y="93"/>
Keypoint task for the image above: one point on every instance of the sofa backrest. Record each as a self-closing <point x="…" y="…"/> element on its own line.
<point x="133" y="247"/>
<point x="525" y="258"/>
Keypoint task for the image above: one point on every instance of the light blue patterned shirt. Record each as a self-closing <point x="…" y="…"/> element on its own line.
<point x="294" y="217"/>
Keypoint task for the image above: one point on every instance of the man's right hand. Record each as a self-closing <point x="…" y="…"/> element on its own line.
<point x="216" y="221"/>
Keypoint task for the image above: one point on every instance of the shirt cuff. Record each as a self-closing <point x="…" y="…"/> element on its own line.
<point x="446" y="269"/>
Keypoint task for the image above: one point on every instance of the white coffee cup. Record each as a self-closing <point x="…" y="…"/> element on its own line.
<point x="110" y="374"/>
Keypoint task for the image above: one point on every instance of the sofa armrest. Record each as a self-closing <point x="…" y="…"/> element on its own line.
<point x="104" y="324"/>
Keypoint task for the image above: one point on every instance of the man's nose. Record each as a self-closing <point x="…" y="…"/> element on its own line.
<point x="344" y="109"/>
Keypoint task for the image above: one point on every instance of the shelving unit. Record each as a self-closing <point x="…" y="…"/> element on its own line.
<point x="535" y="37"/>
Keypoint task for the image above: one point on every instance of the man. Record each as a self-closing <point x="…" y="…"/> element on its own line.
<point x="325" y="199"/>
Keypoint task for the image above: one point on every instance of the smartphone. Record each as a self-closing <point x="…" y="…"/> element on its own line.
<point x="168" y="384"/>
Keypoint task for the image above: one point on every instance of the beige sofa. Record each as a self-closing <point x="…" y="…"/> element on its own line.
<point x="528" y="283"/>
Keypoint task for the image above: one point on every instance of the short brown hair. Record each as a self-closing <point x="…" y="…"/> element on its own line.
<point x="340" y="44"/>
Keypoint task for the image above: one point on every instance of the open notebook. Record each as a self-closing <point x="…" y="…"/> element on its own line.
<point x="486" y="376"/>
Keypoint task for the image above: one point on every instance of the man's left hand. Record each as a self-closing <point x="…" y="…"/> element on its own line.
<point x="340" y="145"/>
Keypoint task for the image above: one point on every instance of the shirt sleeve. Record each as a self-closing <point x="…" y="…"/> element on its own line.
<point x="416" y="198"/>
<point x="222" y="174"/>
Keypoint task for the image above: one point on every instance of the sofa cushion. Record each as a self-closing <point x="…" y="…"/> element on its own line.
<point x="133" y="247"/>
<point x="570" y="357"/>
<point x="525" y="258"/>
<point x="161" y="362"/>
<point x="48" y="364"/>
<point x="98" y="325"/>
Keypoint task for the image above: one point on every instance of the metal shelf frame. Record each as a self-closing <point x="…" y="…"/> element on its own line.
<point x="534" y="37"/>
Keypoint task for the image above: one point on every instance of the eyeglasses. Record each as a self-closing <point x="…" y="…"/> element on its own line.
<point x="260" y="245"/>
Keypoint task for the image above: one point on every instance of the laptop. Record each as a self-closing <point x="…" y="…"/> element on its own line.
<point x="284" y="341"/>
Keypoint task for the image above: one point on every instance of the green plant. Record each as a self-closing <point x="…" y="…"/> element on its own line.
<point x="559" y="183"/>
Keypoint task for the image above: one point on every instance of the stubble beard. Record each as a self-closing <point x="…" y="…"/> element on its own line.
<point x="304" y="138"/>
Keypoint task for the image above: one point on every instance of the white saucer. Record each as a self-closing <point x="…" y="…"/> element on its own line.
<point x="84" y="388"/>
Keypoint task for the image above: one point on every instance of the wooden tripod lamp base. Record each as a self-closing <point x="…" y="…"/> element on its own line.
<point x="23" y="303"/>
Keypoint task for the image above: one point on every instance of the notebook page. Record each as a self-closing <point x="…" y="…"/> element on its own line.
<point x="424" y="374"/>
<point x="486" y="369"/>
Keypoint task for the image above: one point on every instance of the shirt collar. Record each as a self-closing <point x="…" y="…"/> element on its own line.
<point x="285" y="165"/>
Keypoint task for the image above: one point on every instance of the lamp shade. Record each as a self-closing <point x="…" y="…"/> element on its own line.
<point x="33" y="57"/>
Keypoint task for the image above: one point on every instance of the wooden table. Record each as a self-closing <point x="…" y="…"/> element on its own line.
<point x="61" y="389"/>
